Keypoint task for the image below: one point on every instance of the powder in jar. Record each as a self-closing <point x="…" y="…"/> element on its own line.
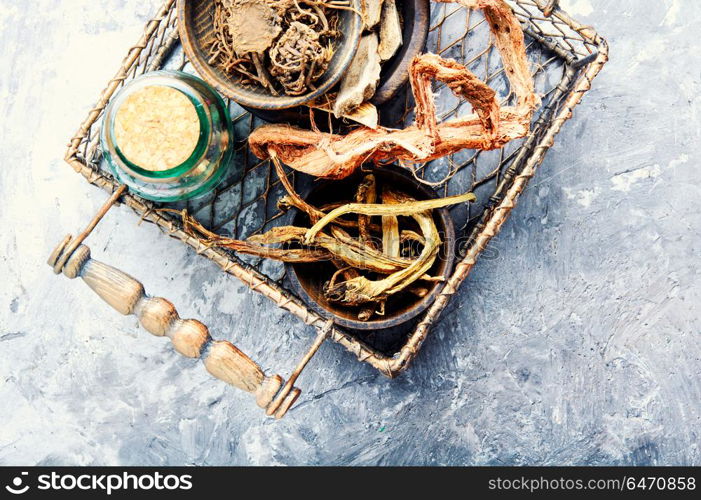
<point x="157" y="128"/>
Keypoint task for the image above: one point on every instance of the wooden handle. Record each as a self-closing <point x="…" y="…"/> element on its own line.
<point x="189" y="337"/>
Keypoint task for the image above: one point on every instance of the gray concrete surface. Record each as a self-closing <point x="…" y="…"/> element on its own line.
<point x="578" y="345"/>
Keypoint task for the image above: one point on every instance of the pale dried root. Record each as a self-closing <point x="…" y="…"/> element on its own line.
<point x="276" y="44"/>
<point x="366" y="193"/>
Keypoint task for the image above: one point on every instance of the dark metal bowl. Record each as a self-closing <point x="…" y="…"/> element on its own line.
<point x="415" y="15"/>
<point x="308" y="279"/>
<point x="195" y="26"/>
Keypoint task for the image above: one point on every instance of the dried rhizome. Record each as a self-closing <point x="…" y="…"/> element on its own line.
<point x="491" y="126"/>
<point x="283" y="46"/>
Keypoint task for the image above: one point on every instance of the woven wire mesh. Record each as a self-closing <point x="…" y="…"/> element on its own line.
<point x="245" y="202"/>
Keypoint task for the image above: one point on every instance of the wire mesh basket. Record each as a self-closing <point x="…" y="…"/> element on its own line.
<point x="564" y="55"/>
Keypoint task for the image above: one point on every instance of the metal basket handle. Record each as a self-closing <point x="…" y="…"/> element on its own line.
<point x="158" y="316"/>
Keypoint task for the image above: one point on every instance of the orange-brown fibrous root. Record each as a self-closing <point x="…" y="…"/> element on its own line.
<point x="491" y="126"/>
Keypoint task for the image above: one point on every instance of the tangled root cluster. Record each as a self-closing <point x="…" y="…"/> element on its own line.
<point x="284" y="46"/>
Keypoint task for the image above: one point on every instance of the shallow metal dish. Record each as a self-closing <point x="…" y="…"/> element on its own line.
<point x="308" y="279"/>
<point x="415" y="15"/>
<point x="195" y="26"/>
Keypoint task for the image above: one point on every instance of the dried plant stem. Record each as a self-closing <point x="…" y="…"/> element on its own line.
<point x="249" y="247"/>
<point x="294" y="198"/>
<point x="341" y="246"/>
<point x="390" y="229"/>
<point x="349" y="254"/>
<point x="407" y="235"/>
<point x="275" y="44"/>
<point x="361" y="290"/>
<point x="406" y="209"/>
<point x="367" y="193"/>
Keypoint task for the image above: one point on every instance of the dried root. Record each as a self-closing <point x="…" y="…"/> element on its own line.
<point x="361" y="290"/>
<point x="390" y="229"/>
<point x="408" y="208"/>
<point x="490" y="127"/>
<point x="280" y="45"/>
<point x="367" y="193"/>
<point x="365" y="275"/>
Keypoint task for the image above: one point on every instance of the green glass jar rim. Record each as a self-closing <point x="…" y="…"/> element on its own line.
<point x="213" y="163"/>
<point x="202" y="140"/>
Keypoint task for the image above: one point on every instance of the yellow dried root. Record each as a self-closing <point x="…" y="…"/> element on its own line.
<point x="361" y="290"/>
<point x="250" y="247"/>
<point x="367" y="193"/>
<point x="406" y="209"/>
<point x="407" y="235"/>
<point x="341" y="246"/>
<point x="350" y="254"/>
<point x="390" y="229"/>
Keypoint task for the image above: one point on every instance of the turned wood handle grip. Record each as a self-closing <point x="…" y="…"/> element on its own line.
<point x="189" y="337"/>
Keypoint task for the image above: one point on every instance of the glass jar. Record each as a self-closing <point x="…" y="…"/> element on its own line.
<point x="206" y="164"/>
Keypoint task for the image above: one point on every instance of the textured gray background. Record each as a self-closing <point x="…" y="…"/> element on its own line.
<point x="579" y="344"/>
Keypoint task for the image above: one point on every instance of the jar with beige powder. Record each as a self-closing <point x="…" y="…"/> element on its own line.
<point x="168" y="136"/>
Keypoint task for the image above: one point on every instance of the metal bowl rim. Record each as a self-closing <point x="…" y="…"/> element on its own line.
<point x="235" y="92"/>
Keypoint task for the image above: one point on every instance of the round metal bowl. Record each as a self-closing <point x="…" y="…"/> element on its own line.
<point x="308" y="279"/>
<point x="415" y="16"/>
<point x="195" y="26"/>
